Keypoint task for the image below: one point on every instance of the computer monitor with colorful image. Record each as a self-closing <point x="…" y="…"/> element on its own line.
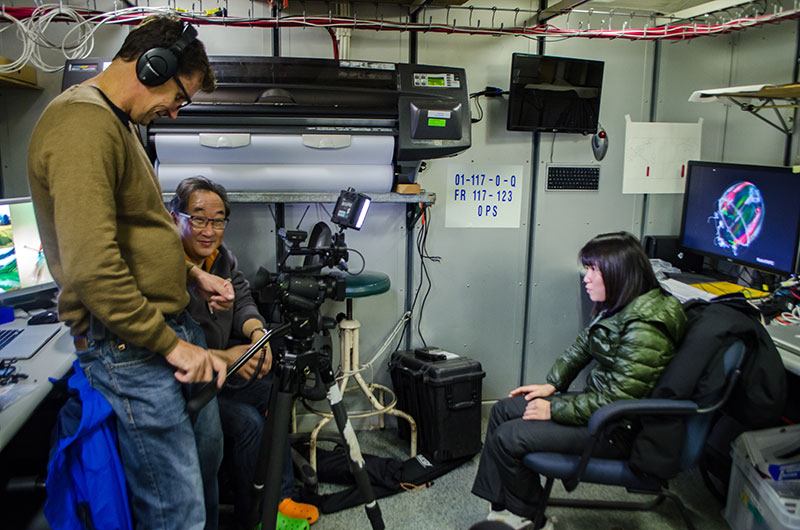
<point x="23" y="269"/>
<point x="745" y="214"/>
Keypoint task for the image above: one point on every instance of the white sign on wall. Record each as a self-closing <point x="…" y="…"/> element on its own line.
<point x="483" y="196"/>
<point x="656" y="155"/>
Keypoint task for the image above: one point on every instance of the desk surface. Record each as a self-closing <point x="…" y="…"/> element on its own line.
<point x="53" y="360"/>
<point x="787" y="340"/>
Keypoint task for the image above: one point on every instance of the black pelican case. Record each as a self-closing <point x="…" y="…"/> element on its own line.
<point x="443" y="395"/>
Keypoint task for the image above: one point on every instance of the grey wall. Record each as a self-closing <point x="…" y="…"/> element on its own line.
<point x="565" y="220"/>
<point x="477" y="304"/>
<point x="508" y="297"/>
<point x="761" y="56"/>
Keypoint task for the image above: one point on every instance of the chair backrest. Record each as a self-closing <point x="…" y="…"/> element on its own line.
<point x="762" y="390"/>
<point x="698" y="425"/>
<point x="667" y="445"/>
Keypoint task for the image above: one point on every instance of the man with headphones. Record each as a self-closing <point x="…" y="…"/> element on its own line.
<point x="113" y="249"/>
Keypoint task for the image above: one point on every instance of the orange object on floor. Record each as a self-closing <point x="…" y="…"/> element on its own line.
<point x="298" y="510"/>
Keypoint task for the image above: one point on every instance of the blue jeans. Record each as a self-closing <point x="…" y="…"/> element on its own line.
<point x="242" y="413"/>
<point x="170" y="458"/>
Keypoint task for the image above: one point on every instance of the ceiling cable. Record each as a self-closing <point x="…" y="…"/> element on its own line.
<point x="32" y="25"/>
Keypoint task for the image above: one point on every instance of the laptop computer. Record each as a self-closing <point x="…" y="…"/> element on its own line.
<point x="23" y="341"/>
<point x="786" y="337"/>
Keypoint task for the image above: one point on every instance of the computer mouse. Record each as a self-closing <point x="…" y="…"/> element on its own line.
<point x="600" y="144"/>
<point x="45" y="317"/>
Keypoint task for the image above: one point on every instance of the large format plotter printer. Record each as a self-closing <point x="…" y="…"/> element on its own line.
<point x="314" y="125"/>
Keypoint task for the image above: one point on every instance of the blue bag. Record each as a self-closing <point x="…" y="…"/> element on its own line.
<point x="86" y="487"/>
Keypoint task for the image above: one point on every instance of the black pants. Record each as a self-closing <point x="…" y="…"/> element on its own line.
<point x="502" y="479"/>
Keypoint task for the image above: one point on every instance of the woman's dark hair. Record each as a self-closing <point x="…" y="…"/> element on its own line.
<point x="199" y="183"/>
<point x="162" y="31"/>
<point x="626" y="270"/>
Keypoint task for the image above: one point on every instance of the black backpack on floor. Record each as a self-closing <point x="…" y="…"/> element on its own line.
<point x="387" y="476"/>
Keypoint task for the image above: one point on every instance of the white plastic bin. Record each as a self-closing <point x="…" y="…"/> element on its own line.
<point x="753" y="503"/>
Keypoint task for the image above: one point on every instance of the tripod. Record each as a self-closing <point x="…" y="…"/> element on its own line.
<point x="291" y="372"/>
<point x="298" y="361"/>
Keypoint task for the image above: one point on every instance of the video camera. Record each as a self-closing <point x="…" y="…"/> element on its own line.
<point x="300" y="290"/>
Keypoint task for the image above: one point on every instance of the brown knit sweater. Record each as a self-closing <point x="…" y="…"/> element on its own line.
<point x="109" y="241"/>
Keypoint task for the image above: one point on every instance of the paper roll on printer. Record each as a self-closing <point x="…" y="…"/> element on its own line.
<point x="274" y="162"/>
<point x="302" y="178"/>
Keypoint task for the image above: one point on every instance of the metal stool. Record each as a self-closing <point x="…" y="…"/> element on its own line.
<point x="365" y="284"/>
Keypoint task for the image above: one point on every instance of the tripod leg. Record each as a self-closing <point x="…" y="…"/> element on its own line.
<point x="277" y="457"/>
<point x="353" y="450"/>
<point x="275" y="436"/>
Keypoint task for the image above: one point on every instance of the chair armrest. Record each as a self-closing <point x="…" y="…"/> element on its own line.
<point x="628" y="407"/>
<point x="601" y="420"/>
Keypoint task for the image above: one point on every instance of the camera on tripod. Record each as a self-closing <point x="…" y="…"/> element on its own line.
<point x="301" y="289"/>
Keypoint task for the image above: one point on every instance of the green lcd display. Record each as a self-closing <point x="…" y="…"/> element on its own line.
<point x="435" y="81"/>
<point x="436" y="122"/>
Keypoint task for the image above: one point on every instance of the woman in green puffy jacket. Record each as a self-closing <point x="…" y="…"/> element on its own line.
<point x="634" y="334"/>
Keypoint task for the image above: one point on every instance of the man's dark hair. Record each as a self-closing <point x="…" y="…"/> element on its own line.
<point x="162" y="31"/>
<point x="626" y="270"/>
<point x="199" y="183"/>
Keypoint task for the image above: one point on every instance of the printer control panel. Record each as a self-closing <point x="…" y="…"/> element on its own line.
<point x="446" y="80"/>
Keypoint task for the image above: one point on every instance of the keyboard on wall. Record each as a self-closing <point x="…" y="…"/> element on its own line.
<point x="573" y="178"/>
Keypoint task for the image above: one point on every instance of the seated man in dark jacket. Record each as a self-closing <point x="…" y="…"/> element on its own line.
<point x="201" y="209"/>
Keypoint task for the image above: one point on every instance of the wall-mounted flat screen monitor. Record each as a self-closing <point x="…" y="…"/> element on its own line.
<point x="555" y="94"/>
<point x="745" y="214"/>
<point x="23" y="270"/>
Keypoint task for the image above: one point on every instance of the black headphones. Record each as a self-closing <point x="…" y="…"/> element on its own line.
<point x="158" y="65"/>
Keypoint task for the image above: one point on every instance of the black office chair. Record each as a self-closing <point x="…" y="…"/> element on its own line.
<point x="573" y="469"/>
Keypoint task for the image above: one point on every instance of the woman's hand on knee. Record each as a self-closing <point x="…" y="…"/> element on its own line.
<point x="537" y="409"/>
<point x="534" y="391"/>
